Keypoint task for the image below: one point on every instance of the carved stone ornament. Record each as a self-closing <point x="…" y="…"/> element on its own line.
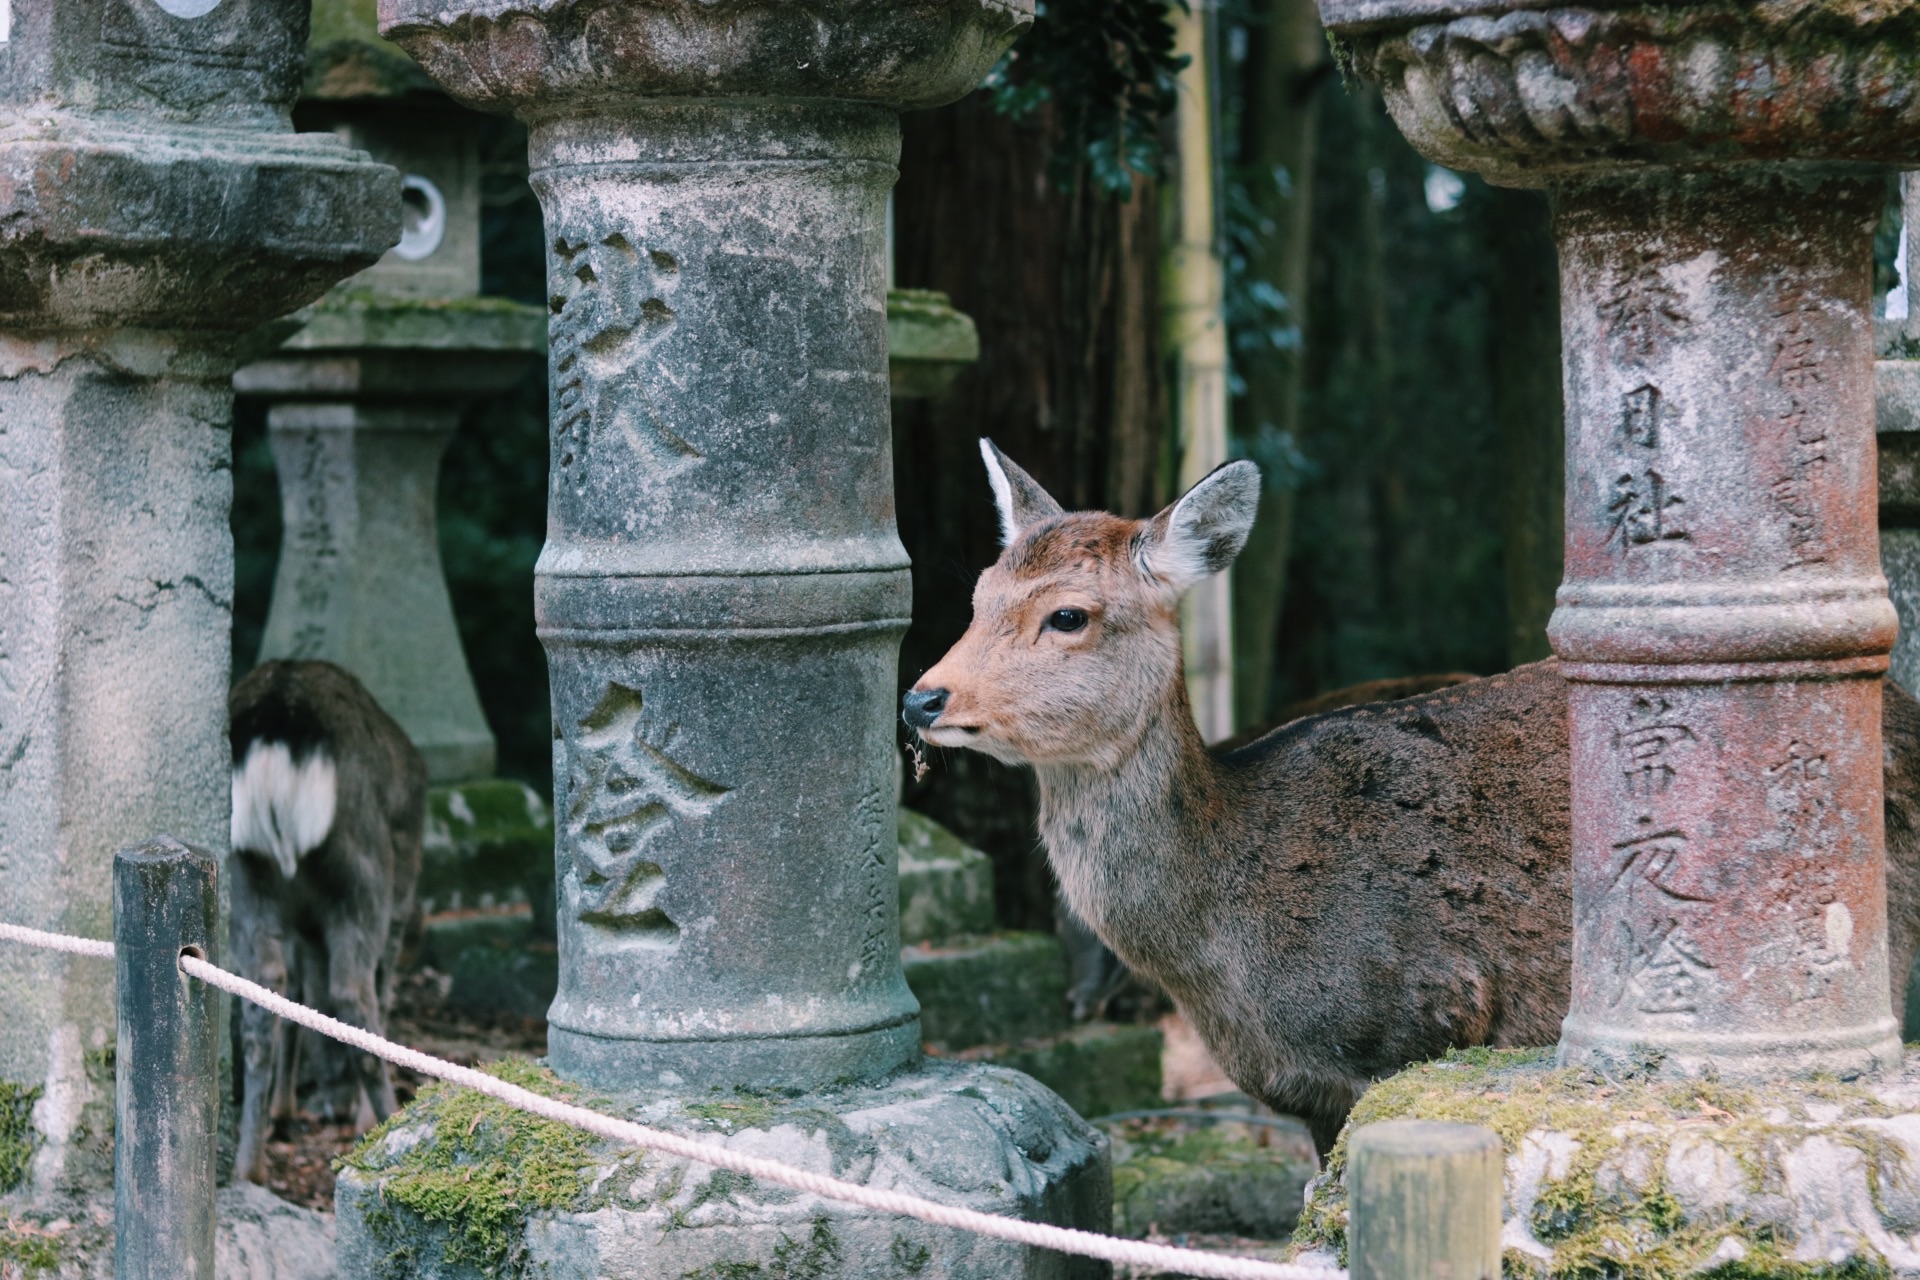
<point x="1519" y="92"/>
<point x="531" y="55"/>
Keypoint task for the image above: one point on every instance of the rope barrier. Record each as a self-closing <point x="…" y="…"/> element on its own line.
<point x="1042" y="1235"/>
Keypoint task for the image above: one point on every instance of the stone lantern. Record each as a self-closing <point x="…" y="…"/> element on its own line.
<point x="722" y="596"/>
<point x="1717" y="173"/>
<point x="159" y="207"/>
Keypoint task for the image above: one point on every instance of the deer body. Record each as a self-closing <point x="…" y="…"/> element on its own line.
<point x="1351" y="893"/>
<point x="329" y="809"/>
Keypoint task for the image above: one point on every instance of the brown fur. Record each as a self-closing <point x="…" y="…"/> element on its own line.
<point x="331" y="935"/>
<point x="1349" y="894"/>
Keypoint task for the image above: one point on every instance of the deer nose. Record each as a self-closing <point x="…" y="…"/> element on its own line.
<point x="921" y="707"/>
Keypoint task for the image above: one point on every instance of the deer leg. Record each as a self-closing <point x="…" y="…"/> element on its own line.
<point x="353" y="989"/>
<point x="258" y="943"/>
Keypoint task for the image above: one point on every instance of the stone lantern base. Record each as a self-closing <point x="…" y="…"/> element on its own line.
<point x="1628" y="1172"/>
<point x="460" y="1185"/>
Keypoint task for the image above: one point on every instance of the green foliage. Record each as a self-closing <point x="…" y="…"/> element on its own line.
<point x="16" y="1132"/>
<point x="1397" y="562"/>
<point x="1108" y="68"/>
<point x="479" y="1169"/>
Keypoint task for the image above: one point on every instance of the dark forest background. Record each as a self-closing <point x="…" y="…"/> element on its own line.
<point x="1411" y="522"/>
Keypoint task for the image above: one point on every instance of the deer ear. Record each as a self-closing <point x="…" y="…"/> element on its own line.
<point x="1022" y="502"/>
<point x="1200" y="535"/>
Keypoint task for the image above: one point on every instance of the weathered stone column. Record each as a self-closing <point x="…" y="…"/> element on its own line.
<point x="158" y="206"/>
<point x="1723" y="619"/>
<point x="722" y="596"/>
<point x="722" y="592"/>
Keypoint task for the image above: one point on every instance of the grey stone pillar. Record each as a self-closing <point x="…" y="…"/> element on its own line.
<point x="1723" y="623"/>
<point x="158" y="207"/>
<point x="721" y="596"/>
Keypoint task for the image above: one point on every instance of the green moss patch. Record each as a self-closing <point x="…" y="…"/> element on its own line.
<point x="1600" y="1222"/>
<point x="16" y="1133"/>
<point x="478" y="1168"/>
<point x="27" y="1250"/>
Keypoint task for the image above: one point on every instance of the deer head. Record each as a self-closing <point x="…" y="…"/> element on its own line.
<point x="1075" y="639"/>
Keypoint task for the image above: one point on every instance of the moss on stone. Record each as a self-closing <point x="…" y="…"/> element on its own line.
<point x="815" y="1258"/>
<point x="477" y="1168"/>
<point x="742" y="1111"/>
<point x="27" y="1250"/>
<point x="16" y="1132"/>
<point x="1600" y="1224"/>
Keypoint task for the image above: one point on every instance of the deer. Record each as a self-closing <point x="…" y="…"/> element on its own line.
<point x="329" y="811"/>
<point x="1349" y="894"/>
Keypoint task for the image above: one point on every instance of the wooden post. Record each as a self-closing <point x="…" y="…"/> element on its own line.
<point x="1425" y="1202"/>
<point x="165" y="900"/>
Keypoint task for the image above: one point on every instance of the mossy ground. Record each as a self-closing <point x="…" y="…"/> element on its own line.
<point x="1606" y="1227"/>
<point x="16" y="1133"/>
<point x="26" y="1250"/>
<point x="480" y="1168"/>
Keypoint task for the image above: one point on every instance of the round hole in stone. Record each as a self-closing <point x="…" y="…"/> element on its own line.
<point x="423" y="218"/>
<point x="188" y="8"/>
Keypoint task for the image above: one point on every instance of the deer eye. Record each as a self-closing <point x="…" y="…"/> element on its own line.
<point x="1066" y="619"/>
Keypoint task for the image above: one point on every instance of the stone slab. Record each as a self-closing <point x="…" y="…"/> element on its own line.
<point x="1217" y="1179"/>
<point x="488" y="843"/>
<point x="544" y="1200"/>
<point x="929" y="342"/>
<point x="973" y="991"/>
<point x="497" y="962"/>
<point x="1099" y="1067"/>
<point x="946" y="887"/>
<point x="1666" y="1177"/>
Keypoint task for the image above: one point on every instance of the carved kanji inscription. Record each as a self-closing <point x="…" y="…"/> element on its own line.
<point x="622" y="791"/>
<point x="611" y="306"/>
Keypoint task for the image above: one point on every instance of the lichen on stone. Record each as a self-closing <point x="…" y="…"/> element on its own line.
<point x="477" y="1167"/>
<point x="16" y="1133"/>
<point x="1589" y="1168"/>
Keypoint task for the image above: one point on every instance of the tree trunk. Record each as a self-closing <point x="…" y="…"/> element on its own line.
<point x="1525" y="355"/>
<point x="1286" y="60"/>
<point x="1063" y="287"/>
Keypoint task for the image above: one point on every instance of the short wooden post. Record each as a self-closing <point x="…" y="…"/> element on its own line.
<point x="1424" y="1200"/>
<point x="165" y="901"/>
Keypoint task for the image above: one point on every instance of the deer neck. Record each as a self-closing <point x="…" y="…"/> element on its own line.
<point x="1128" y="841"/>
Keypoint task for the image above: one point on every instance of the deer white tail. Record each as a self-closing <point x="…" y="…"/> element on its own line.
<point x="282" y="807"/>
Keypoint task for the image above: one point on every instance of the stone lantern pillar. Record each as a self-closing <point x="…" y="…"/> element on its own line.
<point x="722" y="596"/>
<point x="1716" y="176"/>
<point x="159" y="206"/>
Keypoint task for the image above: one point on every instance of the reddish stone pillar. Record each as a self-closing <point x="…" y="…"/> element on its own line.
<point x="1723" y="621"/>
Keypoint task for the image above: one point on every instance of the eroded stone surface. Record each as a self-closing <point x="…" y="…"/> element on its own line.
<point x="1656" y="1176"/>
<point x="976" y="1136"/>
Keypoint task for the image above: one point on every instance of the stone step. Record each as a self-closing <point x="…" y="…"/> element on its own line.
<point x="946" y="887"/>
<point x="497" y="961"/>
<point x="488" y="843"/>
<point x="1098" y="1068"/>
<point x="1000" y="988"/>
<point x="1178" y="1177"/>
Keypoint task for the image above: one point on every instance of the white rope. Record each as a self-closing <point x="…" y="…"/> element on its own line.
<point x="56" y="941"/>
<point x="1037" y="1234"/>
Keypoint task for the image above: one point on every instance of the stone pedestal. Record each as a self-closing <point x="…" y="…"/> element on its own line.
<point x="721" y="597"/>
<point x="159" y="206"/>
<point x="1723" y="621"/>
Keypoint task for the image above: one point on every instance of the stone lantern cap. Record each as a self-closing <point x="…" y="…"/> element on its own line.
<point x="907" y="54"/>
<point x="1524" y="90"/>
